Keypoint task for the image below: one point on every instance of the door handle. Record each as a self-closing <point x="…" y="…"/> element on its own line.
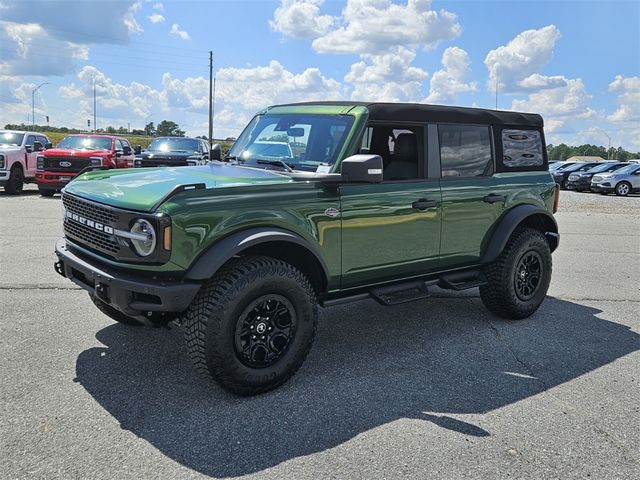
<point x="423" y="204"/>
<point x="493" y="198"/>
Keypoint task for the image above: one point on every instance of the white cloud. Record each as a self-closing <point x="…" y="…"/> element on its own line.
<point x="540" y="82"/>
<point x="628" y="90"/>
<point x="130" y="18"/>
<point x="377" y="26"/>
<point x="175" y="30"/>
<point x="156" y="18"/>
<point x="22" y="47"/>
<point x="515" y="66"/>
<point x="388" y="77"/>
<point x="558" y="105"/>
<point x="158" y="6"/>
<point x="452" y="80"/>
<point x="300" y="18"/>
<point x="66" y="37"/>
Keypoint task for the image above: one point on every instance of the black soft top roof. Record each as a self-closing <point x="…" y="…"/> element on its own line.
<point x="420" y="112"/>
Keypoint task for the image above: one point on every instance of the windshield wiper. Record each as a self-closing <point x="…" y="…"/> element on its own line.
<point x="281" y="163"/>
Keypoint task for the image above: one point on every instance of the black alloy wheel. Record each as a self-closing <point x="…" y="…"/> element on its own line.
<point x="264" y="331"/>
<point x="527" y="276"/>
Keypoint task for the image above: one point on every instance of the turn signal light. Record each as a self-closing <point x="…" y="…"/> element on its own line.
<point x="166" y="243"/>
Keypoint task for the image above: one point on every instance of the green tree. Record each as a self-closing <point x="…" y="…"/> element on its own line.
<point x="167" y="128"/>
<point x="150" y="129"/>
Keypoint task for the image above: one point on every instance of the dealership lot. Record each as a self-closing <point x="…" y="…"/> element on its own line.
<point x="437" y="388"/>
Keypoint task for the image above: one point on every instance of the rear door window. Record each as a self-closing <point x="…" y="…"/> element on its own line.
<point x="465" y="151"/>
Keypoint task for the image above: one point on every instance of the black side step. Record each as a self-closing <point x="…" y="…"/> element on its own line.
<point x="462" y="280"/>
<point x="400" y="293"/>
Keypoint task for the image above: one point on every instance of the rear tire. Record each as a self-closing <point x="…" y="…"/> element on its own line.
<point x="114" y="314"/>
<point x="623" y="189"/>
<point x="15" y="183"/>
<point x="518" y="280"/>
<point x="251" y="327"/>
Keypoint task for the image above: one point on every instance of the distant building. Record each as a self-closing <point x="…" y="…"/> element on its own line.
<point x="585" y="158"/>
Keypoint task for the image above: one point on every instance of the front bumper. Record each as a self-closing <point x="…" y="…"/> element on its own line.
<point x="601" y="188"/>
<point x="53" y="180"/>
<point x="132" y="295"/>
<point x="578" y="184"/>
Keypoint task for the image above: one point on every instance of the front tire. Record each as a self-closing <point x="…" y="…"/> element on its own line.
<point x="114" y="314"/>
<point x="251" y="327"/>
<point x="518" y="280"/>
<point x="15" y="184"/>
<point x="623" y="189"/>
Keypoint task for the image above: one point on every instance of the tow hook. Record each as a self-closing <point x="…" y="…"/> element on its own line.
<point x="59" y="267"/>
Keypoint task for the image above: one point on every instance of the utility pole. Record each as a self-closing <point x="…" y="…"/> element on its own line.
<point x="33" y="105"/>
<point x="95" y="125"/>
<point x="210" y="96"/>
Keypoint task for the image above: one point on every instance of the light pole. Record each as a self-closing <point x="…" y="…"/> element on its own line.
<point x="95" y="127"/>
<point x="33" y="105"/>
<point x="609" y="138"/>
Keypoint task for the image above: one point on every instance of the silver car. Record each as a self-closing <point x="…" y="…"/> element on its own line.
<point x="622" y="182"/>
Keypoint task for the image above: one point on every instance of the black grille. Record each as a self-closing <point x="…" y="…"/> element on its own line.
<point x="92" y="211"/>
<point x="52" y="164"/>
<point x="88" y="235"/>
<point x="91" y="237"/>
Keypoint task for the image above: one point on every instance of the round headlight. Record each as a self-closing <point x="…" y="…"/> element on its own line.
<point x="146" y="247"/>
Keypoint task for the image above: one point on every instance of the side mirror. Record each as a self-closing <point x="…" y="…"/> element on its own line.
<point x="48" y="145"/>
<point x="362" y="168"/>
<point x="126" y="150"/>
<point x="216" y="152"/>
<point x="137" y="149"/>
<point x="37" y="146"/>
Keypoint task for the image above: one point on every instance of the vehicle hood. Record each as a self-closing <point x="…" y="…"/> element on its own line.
<point x="9" y="149"/>
<point x="65" y="152"/>
<point x="166" y="155"/>
<point x="143" y="188"/>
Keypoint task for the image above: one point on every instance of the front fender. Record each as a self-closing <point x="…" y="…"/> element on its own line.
<point x="526" y="215"/>
<point x="223" y="250"/>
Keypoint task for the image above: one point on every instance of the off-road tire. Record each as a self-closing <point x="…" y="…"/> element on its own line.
<point x="212" y="320"/>
<point x="114" y="314"/>
<point x="623" y="189"/>
<point x="500" y="294"/>
<point x="46" y="192"/>
<point x="15" y="184"/>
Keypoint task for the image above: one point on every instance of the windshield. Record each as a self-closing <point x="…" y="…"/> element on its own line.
<point x="577" y="167"/>
<point x="85" y="143"/>
<point x="555" y="166"/>
<point x="11" y="138"/>
<point x="301" y="142"/>
<point x="607" y="167"/>
<point x="628" y="169"/>
<point x="174" y="145"/>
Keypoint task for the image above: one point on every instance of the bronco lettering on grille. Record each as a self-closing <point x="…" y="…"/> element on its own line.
<point x="88" y="222"/>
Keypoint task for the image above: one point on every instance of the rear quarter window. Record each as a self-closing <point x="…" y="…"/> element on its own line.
<point x="522" y="149"/>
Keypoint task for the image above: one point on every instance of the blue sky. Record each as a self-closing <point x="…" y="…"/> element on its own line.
<point x="575" y="62"/>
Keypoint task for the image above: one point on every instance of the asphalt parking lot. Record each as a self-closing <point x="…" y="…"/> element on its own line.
<point x="437" y="388"/>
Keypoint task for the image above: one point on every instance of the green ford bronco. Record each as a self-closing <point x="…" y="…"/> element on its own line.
<point x="316" y="204"/>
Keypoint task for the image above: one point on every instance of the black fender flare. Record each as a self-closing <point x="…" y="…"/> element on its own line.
<point x="223" y="250"/>
<point x="508" y="223"/>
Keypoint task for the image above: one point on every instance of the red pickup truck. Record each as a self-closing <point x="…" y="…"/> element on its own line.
<point x="57" y="166"/>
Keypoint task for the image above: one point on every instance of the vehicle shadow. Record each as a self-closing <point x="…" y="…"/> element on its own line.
<point x="370" y="365"/>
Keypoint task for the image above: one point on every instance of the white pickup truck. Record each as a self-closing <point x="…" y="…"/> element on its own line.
<point x="18" y="151"/>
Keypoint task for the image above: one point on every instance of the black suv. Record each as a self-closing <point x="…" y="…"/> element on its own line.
<point x="561" y="175"/>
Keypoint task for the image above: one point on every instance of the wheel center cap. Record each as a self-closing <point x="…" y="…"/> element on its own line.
<point x="261" y="327"/>
<point x="523" y="273"/>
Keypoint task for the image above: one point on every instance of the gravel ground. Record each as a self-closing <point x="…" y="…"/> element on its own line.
<point x="432" y="389"/>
